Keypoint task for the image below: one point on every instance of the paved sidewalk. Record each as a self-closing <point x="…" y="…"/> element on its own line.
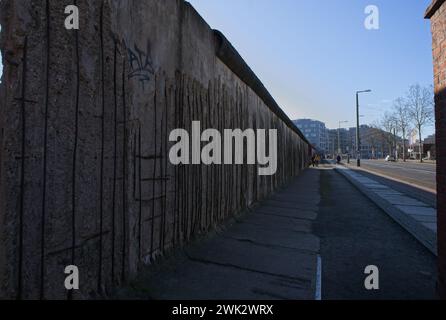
<point x="355" y="233"/>
<point x="270" y="253"/>
<point x="415" y="216"/>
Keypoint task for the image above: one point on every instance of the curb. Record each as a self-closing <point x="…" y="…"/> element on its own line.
<point x="424" y="235"/>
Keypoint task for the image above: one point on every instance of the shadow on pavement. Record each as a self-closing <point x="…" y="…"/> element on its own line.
<point x="355" y="233"/>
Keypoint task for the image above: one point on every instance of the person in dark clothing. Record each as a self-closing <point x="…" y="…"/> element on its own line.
<point x="338" y="159"/>
<point x="317" y="159"/>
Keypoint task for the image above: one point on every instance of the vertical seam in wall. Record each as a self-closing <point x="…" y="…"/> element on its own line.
<point x="115" y="98"/>
<point x="154" y="173"/>
<point x="101" y="187"/>
<point x="124" y="164"/>
<point x="207" y="167"/>
<point x="22" y="165"/>
<point x="182" y="211"/>
<point x="75" y="147"/>
<point x="196" y="173"/>
<point x="209" y="171"/>
<point x="192" y="168"/>
<point x="139" y="194"/>
<point x="45" y="150"/>
<point x="162" y="173"/>
<point x="167" y="97"/>
<point x="187" y="170"/>
<point x="202" y="167"/>
<point x="176" y="198"/>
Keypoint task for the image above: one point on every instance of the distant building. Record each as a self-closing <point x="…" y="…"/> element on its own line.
<point x="338" y="141"/>
<point x="429" y="148"/>
<point x="332" y="142"/>
<point x="430" y="139"/>
<point x="315" y="131"/>
<point x="375" y="143"/>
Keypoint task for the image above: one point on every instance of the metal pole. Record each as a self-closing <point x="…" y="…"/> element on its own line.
<point x="339" y="138"/>
<point x="358" y="143"/>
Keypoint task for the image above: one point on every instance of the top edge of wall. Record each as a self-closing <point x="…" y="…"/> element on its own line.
<point x="433" y="7"/>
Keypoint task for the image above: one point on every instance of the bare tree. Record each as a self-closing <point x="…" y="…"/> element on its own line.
<point x="401" y="114"/>
<point x="420" y="104"/>
<point x="374" y="138"/>
<point x="381" y="135"/>
<point x="388" y="124"/>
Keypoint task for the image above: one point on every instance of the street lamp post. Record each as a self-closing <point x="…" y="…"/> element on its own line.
<point x="358" y="142"/>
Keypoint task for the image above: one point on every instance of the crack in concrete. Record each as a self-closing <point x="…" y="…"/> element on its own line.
<point x="230" y="265"/>
<point x="284" y="216"/>
<point x="271" y="246"/>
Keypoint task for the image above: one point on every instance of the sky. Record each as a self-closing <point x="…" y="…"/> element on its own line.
<point x="314" y="55"/>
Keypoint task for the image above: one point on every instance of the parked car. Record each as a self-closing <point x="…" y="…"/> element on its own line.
<point x="390" y="158"/>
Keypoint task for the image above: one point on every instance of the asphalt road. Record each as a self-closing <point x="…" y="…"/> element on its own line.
<point x="420" y="174"/>
<point x="355" y="233"/>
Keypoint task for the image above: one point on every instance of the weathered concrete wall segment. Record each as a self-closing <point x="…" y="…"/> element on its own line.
<point x="85" y="117"/>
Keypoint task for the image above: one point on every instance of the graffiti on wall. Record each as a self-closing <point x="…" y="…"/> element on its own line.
<point x="140" y="62"/>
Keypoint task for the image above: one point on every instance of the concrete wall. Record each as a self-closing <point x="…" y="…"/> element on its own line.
<point x="85" y="117"/>
<point x="437" y="13"/>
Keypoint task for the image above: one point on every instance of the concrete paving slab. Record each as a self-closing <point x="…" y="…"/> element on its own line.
<point x="283" y="212"/>
<point x="297" y="199"/>
<point x="413" y="210"/>
<point x="286" y="210"/>
<point x="303" y="192"/>
<point x="431" y="226"/>
<point x="376" y="186"/>
<point x="388" y="192"/>
<point x="403" y="200"/>
<point x="290" y="204"/>
<point x="269" y="253"/>
<point x="190" y="280"/>
<point x="363" y="179"/>
<point x="272" y="260"/>
<point x="421" y="218"/>
<point x="278" y="223"/>
<point x="267" y="237"/>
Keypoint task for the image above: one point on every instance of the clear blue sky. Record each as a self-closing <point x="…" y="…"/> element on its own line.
<point x="313" y="55"/>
